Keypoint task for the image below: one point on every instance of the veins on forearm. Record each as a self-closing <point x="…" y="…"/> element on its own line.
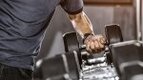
<point x="81" y="23"/>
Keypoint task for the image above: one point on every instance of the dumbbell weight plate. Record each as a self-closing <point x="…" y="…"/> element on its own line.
<point x="70" y="41"/>
<point x="52" y="67"/>
<point x="71" y="44"/>
<point x="73" y="65"/>
<point x="60" y="67"/>
<point x="113" y="35"/>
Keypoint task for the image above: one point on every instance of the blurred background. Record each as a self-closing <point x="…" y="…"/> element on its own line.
<point x="101" y="13"/>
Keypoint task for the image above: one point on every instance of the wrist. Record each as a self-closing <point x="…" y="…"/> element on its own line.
<point x="86" y="35"/>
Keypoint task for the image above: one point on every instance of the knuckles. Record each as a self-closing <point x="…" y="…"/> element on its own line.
<point x="95" y="43"/>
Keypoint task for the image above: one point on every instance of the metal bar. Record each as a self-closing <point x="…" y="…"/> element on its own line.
<point x="141" y="17"/>
<point x="138" y="19"/>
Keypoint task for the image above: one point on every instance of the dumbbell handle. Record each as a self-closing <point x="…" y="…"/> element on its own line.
<point x="92" y="60"/>
<point x="84" y="47"/>
<point x="97" y="60"/>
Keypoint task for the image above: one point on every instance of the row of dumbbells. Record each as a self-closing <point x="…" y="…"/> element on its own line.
<point x="126" y="56"/>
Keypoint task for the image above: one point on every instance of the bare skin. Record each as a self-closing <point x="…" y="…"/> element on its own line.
<point x="82" y="24"/>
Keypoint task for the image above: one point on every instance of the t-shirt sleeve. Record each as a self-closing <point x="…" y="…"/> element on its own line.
<point x="72" y="6"/>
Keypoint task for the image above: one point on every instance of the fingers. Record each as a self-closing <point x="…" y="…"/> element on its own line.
<point x="94" y="47"/>
<point x="88" y="48"/>
<point x="98" y="46"/>
<point x="101" y="39"/>
<point x="95" y="44"/>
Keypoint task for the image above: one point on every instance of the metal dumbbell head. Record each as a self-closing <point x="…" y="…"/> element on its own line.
<point x="70" y="41"/>
<point x="60" y="67"/>
<point x="71" y="44"/>
<point x="114" y="35"/>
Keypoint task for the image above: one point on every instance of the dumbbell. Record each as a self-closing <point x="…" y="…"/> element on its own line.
<point x="113" y="34"/>
<point x="128" y="59"/>
<point x="59" y="67"/>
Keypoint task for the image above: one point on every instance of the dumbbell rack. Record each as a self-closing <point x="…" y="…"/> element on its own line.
<point x="101" y="71"/>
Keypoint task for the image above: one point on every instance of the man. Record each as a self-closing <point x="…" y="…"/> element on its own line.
<point x="22" y="26"/>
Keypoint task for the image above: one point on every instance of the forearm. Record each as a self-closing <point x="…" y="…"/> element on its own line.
<point x="81" y="24"/>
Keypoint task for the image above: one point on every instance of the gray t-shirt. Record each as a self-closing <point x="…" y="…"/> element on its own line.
<point x="22" y="26"/>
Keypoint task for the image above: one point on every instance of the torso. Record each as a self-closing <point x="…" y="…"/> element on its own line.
<point x="22" y="24"/>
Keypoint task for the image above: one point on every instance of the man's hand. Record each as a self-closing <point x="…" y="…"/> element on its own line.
<point x="95" y="43"/>
<point x="82" y="24"/>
